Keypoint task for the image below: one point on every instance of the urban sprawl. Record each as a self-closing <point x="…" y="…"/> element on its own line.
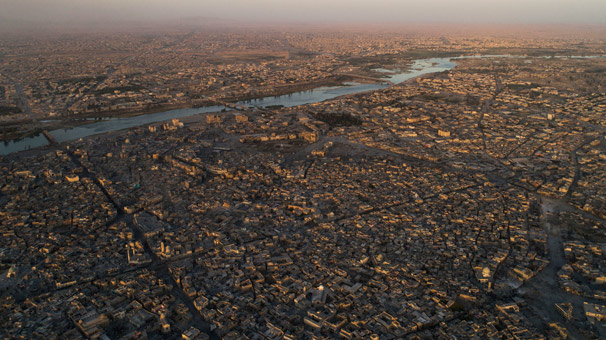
<point x="466" y="204"/>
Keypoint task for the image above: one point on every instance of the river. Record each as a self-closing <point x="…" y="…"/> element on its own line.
<point x="418" y="68"/>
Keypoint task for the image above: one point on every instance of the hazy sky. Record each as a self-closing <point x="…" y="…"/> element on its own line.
<point x="406" y="11"/>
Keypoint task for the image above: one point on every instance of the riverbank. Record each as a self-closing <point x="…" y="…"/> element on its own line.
<point x="310" y="92"/>
<point x="22" y="129"/>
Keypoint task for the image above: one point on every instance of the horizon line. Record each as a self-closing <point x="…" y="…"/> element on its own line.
<point x="28" y="27"/>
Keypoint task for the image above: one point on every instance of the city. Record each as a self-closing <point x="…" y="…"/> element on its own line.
<point x="467" y="203"/>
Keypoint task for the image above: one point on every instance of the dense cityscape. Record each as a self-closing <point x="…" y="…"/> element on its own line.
<point x="463" y="204"/>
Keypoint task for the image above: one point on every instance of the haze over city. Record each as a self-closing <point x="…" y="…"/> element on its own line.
<point x="312" y="11"/>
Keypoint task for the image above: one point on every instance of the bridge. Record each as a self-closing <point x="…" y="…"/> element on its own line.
<point x="359" y="76"/>
<point x="49" y="137"/>
<point x="230" y="105"/>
